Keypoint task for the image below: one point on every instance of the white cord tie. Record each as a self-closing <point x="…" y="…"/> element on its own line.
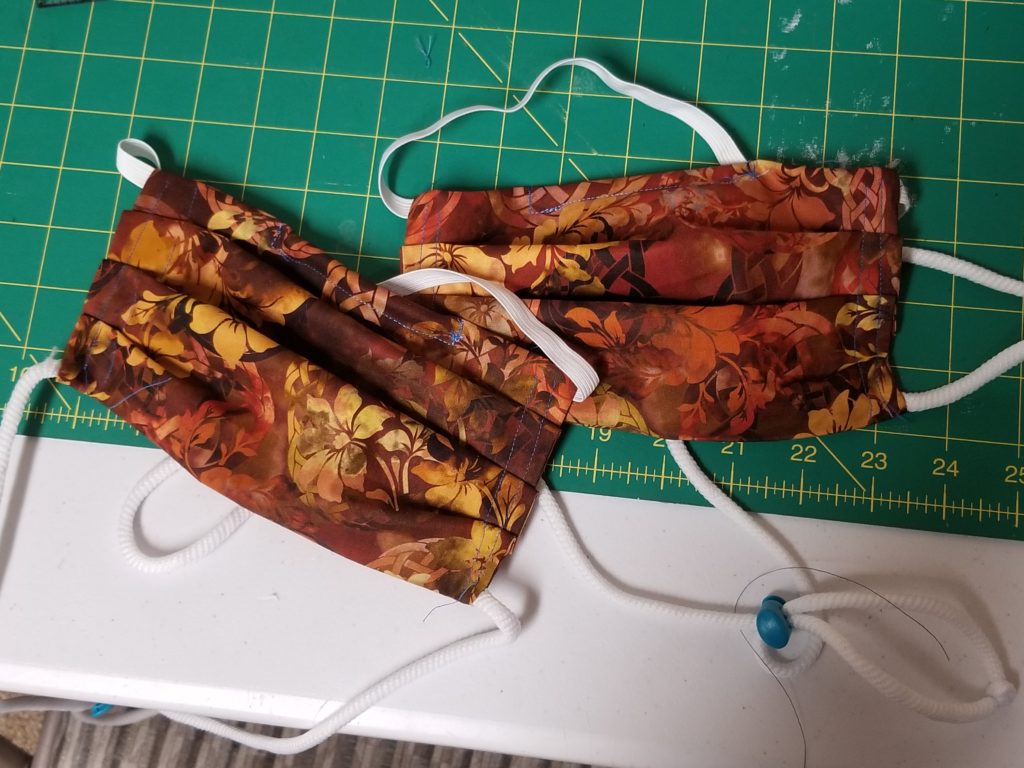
<point x="507" y="630"/>
<point x="191" y="553"/>
<point x="16" y="406"/>
<point x="797" y="611"/>
<point x="993" y="367"/>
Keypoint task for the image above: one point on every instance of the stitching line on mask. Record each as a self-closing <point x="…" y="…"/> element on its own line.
<point x="443" y="338"/>
<point x="504" y="474"/>
<point x="891" y="308"/>
<point x="533" y="450"/>
<point x="856" y="326"/>
<point x="750" y="174"/>
<point x="190" y="211"/>
<point x="515" y="439"/>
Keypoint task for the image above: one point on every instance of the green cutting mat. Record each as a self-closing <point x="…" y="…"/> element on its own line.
<point x="290" y="102"/>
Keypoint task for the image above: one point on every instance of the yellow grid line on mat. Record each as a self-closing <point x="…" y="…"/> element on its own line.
<point x="956" y="215"/>
<point x="700" y="76"/>
<point x="316" y="122"/>
<point x="199" y="90"/>
<point x="568" y="100"/>
<point x="56" y="192"/>
<point x="508" y="94"/>
<point x="259" y="97"/>
<point x="376" y="135"/>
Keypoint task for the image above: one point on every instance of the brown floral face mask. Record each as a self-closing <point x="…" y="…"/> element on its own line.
<point x="404" y="438"/>
<point x="748" y="301"/>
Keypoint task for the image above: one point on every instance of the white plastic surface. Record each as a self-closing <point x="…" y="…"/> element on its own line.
<point x="272" y="628"/>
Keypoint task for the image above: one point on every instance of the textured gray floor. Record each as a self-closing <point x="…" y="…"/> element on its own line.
<point x="159" y="743"/>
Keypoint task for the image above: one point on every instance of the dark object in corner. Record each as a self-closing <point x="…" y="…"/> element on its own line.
<point x="55" y="3"/>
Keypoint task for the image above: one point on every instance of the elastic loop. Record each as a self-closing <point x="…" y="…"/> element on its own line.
<point x="993" y="367"/>
<point x="191" y="553"/>
<point x="725" y="149"/>
<point x="579" y="371"/>
<point x="136" y="161"/>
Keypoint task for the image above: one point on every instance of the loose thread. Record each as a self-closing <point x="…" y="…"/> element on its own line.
<point x="848" y="580"/>
<point x="789" y="698"/>
<point x="140" y="390"/>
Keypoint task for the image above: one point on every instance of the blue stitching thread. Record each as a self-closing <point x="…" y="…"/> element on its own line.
<point x="445" y="338"/>
<point x="749" y="174"/>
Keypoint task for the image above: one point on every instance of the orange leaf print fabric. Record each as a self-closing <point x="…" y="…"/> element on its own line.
<point x="745" y="302"/>
<point x="404" y="438"/>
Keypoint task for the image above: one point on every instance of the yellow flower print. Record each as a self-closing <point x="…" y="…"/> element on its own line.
<point x="231" y="339"/>
<point x="470" y="562"/>
<point x="844" y="414"/>
<point x="329" y="443"/>
<point x="459" y="489"/>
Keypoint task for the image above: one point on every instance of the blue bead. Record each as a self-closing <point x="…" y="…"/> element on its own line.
<point x="772" y="624"/>
<point x="99" y="710"/>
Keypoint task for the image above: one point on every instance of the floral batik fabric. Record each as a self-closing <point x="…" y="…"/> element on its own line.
<point x="753" y="301"/>
<point x="404" y="438"/>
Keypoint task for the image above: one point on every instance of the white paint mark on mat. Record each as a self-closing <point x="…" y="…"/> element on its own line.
<point x="788" y="25"/>
<point x="779" y="54"/>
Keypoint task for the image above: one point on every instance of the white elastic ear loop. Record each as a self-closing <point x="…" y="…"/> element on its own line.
<point x="192" y="553"/>
<point x="990" y="369"/>
<point x="579" y="371"/>
<point x="725" y="149"/>
<point x="136" y="161"/>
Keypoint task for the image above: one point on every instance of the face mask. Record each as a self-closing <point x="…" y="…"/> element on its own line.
<point x="750" y="301"/>
<point x="403" y="438"/>
<point x="746" y="301"/>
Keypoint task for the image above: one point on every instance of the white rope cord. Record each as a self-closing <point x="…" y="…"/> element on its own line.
<point x="191" y="553"/>
<point x="41" y="704"/>
<point x="573" y="549"/>
<point x="943" y="262"/>
<point x="993" y="367"/>
<point x="725" y="149"/>
<point x="564" y="357"/>
<point x="742" y="620"/>
<point x="15" y="409"/>
<point x="998" y="692"/>
<point x="507" y="631"/>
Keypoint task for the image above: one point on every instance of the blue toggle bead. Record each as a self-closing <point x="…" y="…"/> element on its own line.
<point x="99" y="710"/>
<point x="772" y="624"/>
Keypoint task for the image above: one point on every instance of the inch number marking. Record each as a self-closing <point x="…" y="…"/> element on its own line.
<point x="945" y="468"/>
<point x="1014" y="474"/>
<point x="805" y="453"/>
<point x="874" y="460"/>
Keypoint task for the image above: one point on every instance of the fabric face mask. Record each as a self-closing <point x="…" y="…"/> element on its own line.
<point x="747" y="301"/>
<point x="405" y="439"/>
